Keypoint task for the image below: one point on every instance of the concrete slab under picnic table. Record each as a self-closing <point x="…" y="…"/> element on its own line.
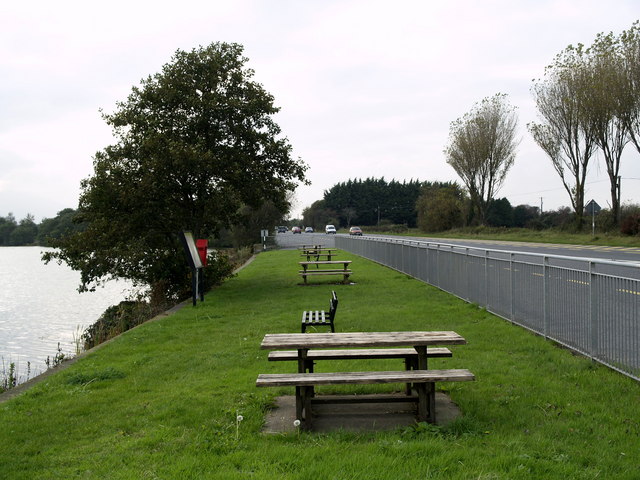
<point x="358" y="417"/>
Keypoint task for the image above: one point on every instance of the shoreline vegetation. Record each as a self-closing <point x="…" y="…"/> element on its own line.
<point x="114" y="321"/>
<point x="166" y="397"/>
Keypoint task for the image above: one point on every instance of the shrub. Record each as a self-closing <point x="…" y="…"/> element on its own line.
<point x="630" y="219"/>
<point x="115" y="320"/>
<point x="630" y="224"/>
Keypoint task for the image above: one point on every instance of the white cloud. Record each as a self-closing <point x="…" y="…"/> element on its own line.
<point x="367" y="88"/>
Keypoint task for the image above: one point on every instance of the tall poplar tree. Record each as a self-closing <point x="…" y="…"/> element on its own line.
<point x="564" y="133"/>
<point x="482" y="149"/>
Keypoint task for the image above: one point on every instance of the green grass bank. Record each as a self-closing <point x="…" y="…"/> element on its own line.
<point x="161" y="401"/>
<point x="528" y="235"/>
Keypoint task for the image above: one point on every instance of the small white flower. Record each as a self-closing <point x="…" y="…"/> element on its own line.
<point x="296" y="423"/>
<point x="239" y="418"/>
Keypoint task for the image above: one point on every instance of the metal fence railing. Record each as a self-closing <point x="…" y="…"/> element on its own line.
<point x="591" y="306"/>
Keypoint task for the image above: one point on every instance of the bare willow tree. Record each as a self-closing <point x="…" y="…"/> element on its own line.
<point x="609" y="108"/>
<point x="563" y="133"/>
<point x="482" y="148"/>
<point x="630" y="51"/>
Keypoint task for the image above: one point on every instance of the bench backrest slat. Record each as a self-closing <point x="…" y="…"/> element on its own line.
<point x="333" y="305"/>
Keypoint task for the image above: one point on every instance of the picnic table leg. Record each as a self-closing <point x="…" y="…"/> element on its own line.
<point x="308" y="414"/>
<point x="302" y="360"/>
<point x="299" y="403"/>
<point x="423" y="402"/>
<point x="426" y="392"/>
<point x="408" y="365"/>
<point x="422" y="357"/>
<point x="304" y="393"/>
<point x="431" y="396"/>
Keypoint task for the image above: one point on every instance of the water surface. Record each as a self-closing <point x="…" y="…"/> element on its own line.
<point x="41" y="307"/>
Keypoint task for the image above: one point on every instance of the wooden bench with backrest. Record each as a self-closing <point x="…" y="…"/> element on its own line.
<point x="320" y="318"/>
<point x="305" y="383"/>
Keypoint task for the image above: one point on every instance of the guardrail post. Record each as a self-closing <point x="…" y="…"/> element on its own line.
<point x="486" y="279"/>
<point x="438" y="265"/>
<point x="512" y="286"/>
<point x="545" y="295"/>
<point x="467" y="274"/>
<point x="593" y="311"/>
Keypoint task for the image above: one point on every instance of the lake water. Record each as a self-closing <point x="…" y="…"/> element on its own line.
<point x="41" y="307"/>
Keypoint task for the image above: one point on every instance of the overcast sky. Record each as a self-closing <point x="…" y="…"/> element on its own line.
<point x="366" y="88"/>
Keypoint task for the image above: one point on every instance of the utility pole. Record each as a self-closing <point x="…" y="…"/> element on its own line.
<point x="540" y="205"/>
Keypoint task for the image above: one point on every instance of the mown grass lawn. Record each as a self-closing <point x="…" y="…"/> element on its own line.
<point x="162" y="400"/>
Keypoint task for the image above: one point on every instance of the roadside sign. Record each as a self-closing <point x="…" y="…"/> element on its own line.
<point x="592" y="208"/>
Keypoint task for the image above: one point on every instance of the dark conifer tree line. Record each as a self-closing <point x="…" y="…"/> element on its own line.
<point x="28" y="232"/>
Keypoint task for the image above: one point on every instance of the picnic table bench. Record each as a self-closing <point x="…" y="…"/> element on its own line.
<point x="409" y="355"/>
<point x="304" y="381"/>
<point x="345" y="271"/>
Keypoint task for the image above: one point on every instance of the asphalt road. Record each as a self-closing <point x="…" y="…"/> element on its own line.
<point x="617" y="254"/>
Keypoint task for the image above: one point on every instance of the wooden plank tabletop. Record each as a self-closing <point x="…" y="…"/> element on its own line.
<point x="326" y="262"/>
<point x="282" y="341"/>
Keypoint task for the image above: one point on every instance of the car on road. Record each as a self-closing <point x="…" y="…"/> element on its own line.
<point x="308" y="230"/>
<point x="355" y="231"/>
<point x="282" y="229"/>
<point x="296" y="230"/>
<point x="329" y="229"/>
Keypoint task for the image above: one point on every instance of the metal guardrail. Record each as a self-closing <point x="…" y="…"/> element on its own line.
<point x="588" y="305"/>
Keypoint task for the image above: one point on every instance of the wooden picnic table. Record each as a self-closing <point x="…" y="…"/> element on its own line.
<point x="305" y="341"/>
<point x="422" y="379"/>
<point x="344" y="271"/>
<point x="317" y="255"/>
<point x="304" y="248"/>
<point x="316" y="251"/>
<point x="318" y="263"/>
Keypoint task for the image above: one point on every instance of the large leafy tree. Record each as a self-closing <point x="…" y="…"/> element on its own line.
<point x="59" y="226"/>
<point x="482" y="148"/>
<point x="441" y="206"/>
<point x="194" y="144"/>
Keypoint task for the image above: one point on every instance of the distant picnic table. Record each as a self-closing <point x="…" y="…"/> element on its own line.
<point x="326" y="254"/>
<point x="344" y="271"/>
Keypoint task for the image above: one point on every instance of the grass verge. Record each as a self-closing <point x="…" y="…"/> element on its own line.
<point x="528" y="235"/>
<point x="162" y="400"/>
